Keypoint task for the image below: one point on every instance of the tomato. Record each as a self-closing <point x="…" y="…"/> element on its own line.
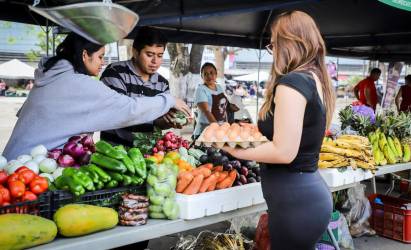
<point x="12" y="177"/>
<point x="26" y="176"/>
<point x="17" y="188"/>
<point x="5" y="194"/>
<point x="22" y="168"/>
<point x="3" y="177"/>
<point x="29" y="196"/>
<point x="39" y="185"/>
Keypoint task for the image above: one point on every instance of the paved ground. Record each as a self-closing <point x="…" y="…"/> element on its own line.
<point x="9" y="106"/>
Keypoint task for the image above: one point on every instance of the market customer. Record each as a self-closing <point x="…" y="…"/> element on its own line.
<point x="365" y="90"/>
<point x="210" y="99"/>
<point x="297" y="109"/>
<point x="403" y="98"/>
<point x="139" y="77"/>
<point x="66" y="101"/>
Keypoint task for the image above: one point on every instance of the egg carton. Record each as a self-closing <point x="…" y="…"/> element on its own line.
<point x="233" y="144"/>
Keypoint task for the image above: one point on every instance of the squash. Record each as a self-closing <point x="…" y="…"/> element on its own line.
<point x="80" y="219"/>
<point x="18" y="231"/>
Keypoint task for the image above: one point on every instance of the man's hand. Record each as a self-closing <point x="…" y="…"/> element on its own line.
<point x="167" y="121"/>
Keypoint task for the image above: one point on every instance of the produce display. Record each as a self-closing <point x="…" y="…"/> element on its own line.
<point x="110" y="167"/>
<point x="347" y="150"/>
<point x="80" y="219"/>
<point x="161" y="185"/>
<point x="389" y="133"/>
<point x="18" y="231"/>
<point x="133" y="210"/>
<point x="170" y="142"/>
<point x="244" y="135"/>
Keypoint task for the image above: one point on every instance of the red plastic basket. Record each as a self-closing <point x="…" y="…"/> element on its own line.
<point x="391" y="219"/>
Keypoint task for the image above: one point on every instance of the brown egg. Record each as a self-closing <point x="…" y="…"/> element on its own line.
<point x="234" y="126"/>
<point x="233" y="135"/>
<point x="245" y="134"/>
<point x="220" y="134"/>
<point x="209" y="134"/>
<point x="214" y="125"/>
<point x="256" y="135"/>
<point x="225" y="126"/>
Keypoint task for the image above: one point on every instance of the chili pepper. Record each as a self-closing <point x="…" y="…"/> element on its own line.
<point x="106" y="149"/>
<point x="39" y="185"/>
<point x="127" y="180"/>
<point x="26" y="176"/>
<point x="139" y="162"/>
<point x="115" y="176"/>
<point x="29" y="196"/>
<point x="5" y="193"/>
<point x="60" y="183"/>
<point x="3" y="177"/>
<point x="103" y="176"/>
<point x="129" y="164"/>
<point x="111" y="184"/>
<point x="136" y="181"/>
<point x="16" y="188"/>
<point x="99" y="185"/>
<point x="93" y="175"/>
<point x="75" y="187"/>
<point x="108" y="163"/>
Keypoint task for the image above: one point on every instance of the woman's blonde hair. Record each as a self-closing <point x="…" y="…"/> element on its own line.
<point x="298" y="46"/>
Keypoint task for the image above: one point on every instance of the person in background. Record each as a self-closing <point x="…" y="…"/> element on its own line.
<point x="66" y="101"/>
<point x="210" y="99"/>
<point x="403" y="98"/>
<point x="365" y="90"/>
<point x="138" y="77"/>
<point x="3" y="88"/>
<point x="298" y="108"/>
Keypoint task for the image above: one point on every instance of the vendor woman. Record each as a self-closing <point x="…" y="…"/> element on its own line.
<point x="67" y="101"/>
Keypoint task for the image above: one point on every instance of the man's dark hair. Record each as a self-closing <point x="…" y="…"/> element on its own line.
<point x="375" y="71"/>
<point x="72" y="49"/>
<point x="148" y="36"/>
<point x="408" y="78"/>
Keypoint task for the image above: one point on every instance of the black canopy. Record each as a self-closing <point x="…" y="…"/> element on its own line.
<point x="360" y="28"/>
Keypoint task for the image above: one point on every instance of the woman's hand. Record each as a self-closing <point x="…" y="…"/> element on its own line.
<point x="182" y="106"/>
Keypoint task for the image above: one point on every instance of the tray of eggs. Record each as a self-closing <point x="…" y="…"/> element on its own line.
<point x="244" y="135"/>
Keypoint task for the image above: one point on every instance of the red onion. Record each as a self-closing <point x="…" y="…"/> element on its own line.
<point x="68" y="147"/>
<point x="76" y="150"/>
<point x="54" y="153"/>
<point x="85" y="159"/>
<point x="74" y="139"/>
<point x="87" y="141"/>
<point x="66" y="161"/>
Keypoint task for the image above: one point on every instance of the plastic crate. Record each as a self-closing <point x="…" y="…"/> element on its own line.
<point x="392" y="219"/>
<point x="40" y="207"/>
<point x="333" y="225"/>
<point x="102" y="198"/>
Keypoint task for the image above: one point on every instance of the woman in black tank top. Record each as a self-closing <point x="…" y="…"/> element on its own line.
<point x="298" y="107"/>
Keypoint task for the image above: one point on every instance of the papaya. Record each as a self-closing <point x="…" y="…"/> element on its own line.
<point x="81" y="219"/>
<point x="19" y="231"/>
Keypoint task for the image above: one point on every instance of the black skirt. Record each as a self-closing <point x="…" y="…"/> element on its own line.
<point x="299" y="207"/>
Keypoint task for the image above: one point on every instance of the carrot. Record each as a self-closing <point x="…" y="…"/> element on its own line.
<point x="222" y="176"/>
<point x="208" y="165"/>
<point x="194" y="185"/>
<point x="227" y="182"/>
<point x="184" y="181"/>
<point x="202" y="170"/>
<point x="207" y="183"/>
<point x="212" y="186"/>
<point x="218" y="169"/>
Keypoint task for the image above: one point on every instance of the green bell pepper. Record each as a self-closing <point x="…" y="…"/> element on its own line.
<point x="127" y="180"/>
<point x="106" y="149"/>
<point x="93" y="175"/>
<point x="136" y="181"/>
<point x="111" y="184"/>
<point x="139" y="162"/>
<point x="103" y="176"/>
<point x="108" y="163"/>
<point x="129" y="164"/>
<point x="115" y="176"/>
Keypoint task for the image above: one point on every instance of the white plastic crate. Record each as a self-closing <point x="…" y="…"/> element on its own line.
<point x="209" y="203"/>
<point x="335" y="178"/>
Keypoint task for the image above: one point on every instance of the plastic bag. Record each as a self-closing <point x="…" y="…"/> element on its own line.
<point x="207" y="240"/>
<point x="360" y="212"/>
<point x="344" y="236"/>
<point x="245" y="225"/>
<point x="262" y="235"/>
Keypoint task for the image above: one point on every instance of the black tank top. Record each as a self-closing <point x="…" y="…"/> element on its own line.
<point x="313" y="126"/>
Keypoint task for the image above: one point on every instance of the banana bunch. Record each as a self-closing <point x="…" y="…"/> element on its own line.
<point x="347" y="150"/>
<point x="388" y="149"/>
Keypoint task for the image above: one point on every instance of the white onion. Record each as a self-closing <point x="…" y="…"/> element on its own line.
<point x="39" y="158"/>
<point x="48" y="166"/>
<point x="33" y="166"/>
<point x="24" y="158"/>
<point x="39" y="150"/>
<point x="3" y="162"/>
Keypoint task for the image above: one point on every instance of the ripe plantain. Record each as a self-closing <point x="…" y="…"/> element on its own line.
<point x="398" y="146"/>
<point x="330" y="157"/>
<point x="356" y="138"/>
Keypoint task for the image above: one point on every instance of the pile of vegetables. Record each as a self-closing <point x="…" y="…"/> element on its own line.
<point x="109" y="167"/>
<point x="170" y="142"/>
<point x="161" y="184"/>
<point x="205" y="178"/>
<point x="22" y="185"/>
<point x="75" y="153"/>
